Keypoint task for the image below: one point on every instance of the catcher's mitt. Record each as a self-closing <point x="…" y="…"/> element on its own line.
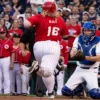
<point x="79" y="56"/>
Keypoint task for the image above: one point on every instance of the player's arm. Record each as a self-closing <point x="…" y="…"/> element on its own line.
<point x="22" y="47"/>
<point x="97" y="57"/>
<point x="12" y="60"/>
<point x="20" y="61"/>
<point x="74" y="48"/>
<point x="12" y="56"/>
<point x="34" y="20"/>
<point x="27" y="23"/>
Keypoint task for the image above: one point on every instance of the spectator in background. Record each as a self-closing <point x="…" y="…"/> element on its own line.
<point x="8" y="21"/>
<point x="98" y="23"/>
<point x="59" y="12"/>
<point x="75" y="12"/>
<point x="60" y="4"/>
<point x="66" y="13"/>
<point x="92" y="13"/>
<point x="81" y="10"/>
<point x="16" y="5"/>
<point x="73" y="31"/>
<point x="85" y="17"/>
<point x="14" y="29"/>
<point x="27" y="15"/>
<point x="2" y="22"/>
<point x="21" y="23"/>
<point x="70" y="6"/>
<point x="98" y="6"/>
<point x="76" y="3"/>
<point x="8" y="10"/>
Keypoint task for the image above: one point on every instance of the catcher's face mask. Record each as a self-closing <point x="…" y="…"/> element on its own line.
<point x="88" y="32"/>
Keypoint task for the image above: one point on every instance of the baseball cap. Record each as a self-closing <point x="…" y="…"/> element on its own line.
<point x="71" y="3"/>
<point x="59" y="9"/>
<point x="66" y="9"/>
<point x="16" y="35"/>
<point x="2" y="30"/>
<point x="85" y="12"/>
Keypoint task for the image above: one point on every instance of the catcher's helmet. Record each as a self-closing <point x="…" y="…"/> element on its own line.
<point x="49" y="6"/>
<point x="89" y="26"/>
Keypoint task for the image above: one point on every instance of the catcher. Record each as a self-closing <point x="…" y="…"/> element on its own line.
<point x="86" y="50"/>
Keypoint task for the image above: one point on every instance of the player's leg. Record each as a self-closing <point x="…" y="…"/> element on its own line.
<point x="91" y="78"/>
<point x="49" y="60"/>
<point x="49" y="83"/>
<point x="18" y="79"/>
<point x="5" y="67"/>
<point x="60" y="82"/>
<point x="0" y="78"/>
<point x="71" y="87"/>
<point x="12" y="81"/>
<point x="24" y="84"/>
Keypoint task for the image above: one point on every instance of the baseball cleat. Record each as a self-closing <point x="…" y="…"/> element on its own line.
<point x="34" y="67"/>
<point x="51" y="95"/>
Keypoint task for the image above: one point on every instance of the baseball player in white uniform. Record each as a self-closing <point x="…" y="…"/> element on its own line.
<point x="6" y="61"/>
<point x="49" y="29"/>
<point x="87" y="69"/>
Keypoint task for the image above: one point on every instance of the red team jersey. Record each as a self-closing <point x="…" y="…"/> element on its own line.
<point x="97" y="32"/>
<point x="74" y="30"/>
<point x="6" y="48"/>
<point x="16" y="53"/>
<point x="24" y="59"/>
<point x="48" y="28"/>
<point x="64" y="50"/>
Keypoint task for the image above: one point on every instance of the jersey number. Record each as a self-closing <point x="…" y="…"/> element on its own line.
<point x="53" y="31"/>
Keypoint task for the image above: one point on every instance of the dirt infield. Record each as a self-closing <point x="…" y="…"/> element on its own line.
<point x="39" y="98"/>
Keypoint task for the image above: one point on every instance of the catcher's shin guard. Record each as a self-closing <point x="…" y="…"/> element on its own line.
<point x="94" y="93"/>
<point x="66" y="91"/>
<point x="78" y="89"/>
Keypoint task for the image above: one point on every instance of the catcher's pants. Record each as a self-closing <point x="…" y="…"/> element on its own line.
<point x="80" y="75"/>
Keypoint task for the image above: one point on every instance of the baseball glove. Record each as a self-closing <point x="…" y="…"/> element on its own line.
<point x="79" y="56"/>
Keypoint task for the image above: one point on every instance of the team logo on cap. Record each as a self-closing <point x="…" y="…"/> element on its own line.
<point x="6" y="46"/>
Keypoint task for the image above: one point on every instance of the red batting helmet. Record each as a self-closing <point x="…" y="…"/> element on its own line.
<point x="49" y="6"/>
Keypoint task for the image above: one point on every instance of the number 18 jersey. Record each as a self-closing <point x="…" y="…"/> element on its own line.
<point x="48" y="28"/>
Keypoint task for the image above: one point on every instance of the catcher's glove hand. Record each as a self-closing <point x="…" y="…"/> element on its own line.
<point x="79" y="56"/>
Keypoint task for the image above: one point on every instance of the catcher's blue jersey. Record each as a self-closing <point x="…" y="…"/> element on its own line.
<point x="89" y="49"/>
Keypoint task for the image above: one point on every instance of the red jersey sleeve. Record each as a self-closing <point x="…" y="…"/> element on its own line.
<point x="64" y="27"/>
<point x="34" y="20"/>
<point x="65" y="30"/>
